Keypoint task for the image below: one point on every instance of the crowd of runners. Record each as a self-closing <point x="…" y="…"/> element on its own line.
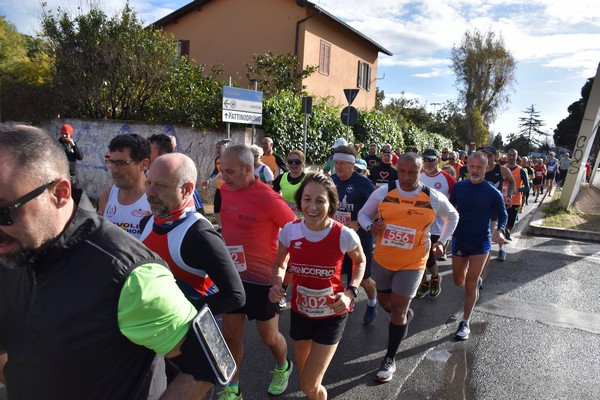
<point x="378" y="222"/>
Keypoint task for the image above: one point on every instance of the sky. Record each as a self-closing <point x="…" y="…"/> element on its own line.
<point x="556" y="44"/>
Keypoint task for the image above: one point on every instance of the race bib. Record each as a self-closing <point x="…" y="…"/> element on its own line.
<point x="343" y="217"/>
<point x="238" y="257"/>
<point x="398" y="236"/>
<point x="314" y="303"/>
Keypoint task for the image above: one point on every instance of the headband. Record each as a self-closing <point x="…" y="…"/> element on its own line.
<point x="344" y="157"/>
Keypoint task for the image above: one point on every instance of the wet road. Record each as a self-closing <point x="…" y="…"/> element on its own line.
<point x="535" y="335"/>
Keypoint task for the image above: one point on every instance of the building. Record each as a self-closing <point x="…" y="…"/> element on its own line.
<point x="230" y="32"/>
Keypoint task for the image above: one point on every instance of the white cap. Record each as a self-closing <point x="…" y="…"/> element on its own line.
<point x="339" y="142"/>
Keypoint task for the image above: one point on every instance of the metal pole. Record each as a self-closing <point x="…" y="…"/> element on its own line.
<point x="253" y="125"/>
<point x="348" y="126"/>
<point x="229" y="124"/>
<point x="305" y="131"/>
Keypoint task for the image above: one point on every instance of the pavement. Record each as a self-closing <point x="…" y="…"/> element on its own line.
<point x="587" y="202"/>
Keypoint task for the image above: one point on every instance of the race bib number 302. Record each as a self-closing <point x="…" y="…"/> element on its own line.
<point x="314" y="302"/>
<point x="398" y="236"/>
<point x="238" y="257"/>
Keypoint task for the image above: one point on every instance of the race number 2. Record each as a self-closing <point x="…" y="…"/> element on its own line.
<point x="238" y="257"/>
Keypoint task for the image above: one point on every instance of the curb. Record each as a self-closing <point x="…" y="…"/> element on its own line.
<point x="536" y="228"/>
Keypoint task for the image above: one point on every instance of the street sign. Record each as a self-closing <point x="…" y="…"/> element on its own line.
<point x="350" y="95"/>
<point x="349" y="116"/>
<point x="242" y="106"/>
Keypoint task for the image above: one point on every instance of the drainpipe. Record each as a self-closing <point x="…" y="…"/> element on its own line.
<point x="298" y="30"/>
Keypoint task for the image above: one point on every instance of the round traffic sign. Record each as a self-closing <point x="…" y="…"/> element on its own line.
<point x="349" y="115"/>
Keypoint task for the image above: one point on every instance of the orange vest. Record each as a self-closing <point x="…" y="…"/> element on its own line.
<point x="516" y="173"/>
<point x="403" y="243"/>
<point x="271" y="162"/>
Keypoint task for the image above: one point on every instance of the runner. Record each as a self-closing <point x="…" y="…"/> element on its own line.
<point x="220" y="147"/>
<point x="551" y="166"/>
<point x="328" y="168"/>
<point x="288" y="183"/>
<point x="353" y="190"/>
<point x="316" y="245"/>
<point x="252" y="214"/>
<point x="433" y="177"/>
<point x="383" y="172"/>
<point x="403" y="213"/>
<point x="273" y="161"/>
<point x="125" y="203"/>
<point x="539" y="172"/>
<point x="261" y="169"/>
<point x="496" y="174"/>
<point x="521" y="186"/>
<point x="477" y="202"/>
<point x="372" y="158"/>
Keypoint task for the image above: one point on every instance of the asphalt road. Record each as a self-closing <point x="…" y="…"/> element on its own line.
<point x="535" y="335"/>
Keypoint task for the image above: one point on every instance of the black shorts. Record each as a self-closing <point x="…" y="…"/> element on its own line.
<point x="258" y="306"/>
<point x="325" y="331"/>
<point x="537" y="181"/>
<point x="550" y="175"/>
<point x="431" y="259"/>
<point x="462" y="248"/>
<point x="366" y="242"/>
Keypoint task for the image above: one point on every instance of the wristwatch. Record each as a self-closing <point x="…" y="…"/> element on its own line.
<point x="354" y="290"/>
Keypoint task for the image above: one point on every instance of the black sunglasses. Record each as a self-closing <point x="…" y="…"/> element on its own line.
<point x="294" y="162"/>
<point x="6" y="219"/>
<point x="429" y="159"/>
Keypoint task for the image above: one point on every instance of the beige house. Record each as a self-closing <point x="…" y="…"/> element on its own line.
<point x="229" y="32"/>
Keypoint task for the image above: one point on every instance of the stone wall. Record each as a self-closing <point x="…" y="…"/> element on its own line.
<point x="93" y="136"/>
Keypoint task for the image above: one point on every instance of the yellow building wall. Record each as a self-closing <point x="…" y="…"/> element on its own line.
<point x="229" y="32"/>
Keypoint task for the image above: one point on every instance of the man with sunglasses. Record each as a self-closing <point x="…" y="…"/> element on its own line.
<point x="125" y="203"/>
<point x="86" y="311"/>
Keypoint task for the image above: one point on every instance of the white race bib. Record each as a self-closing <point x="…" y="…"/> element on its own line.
<point x="314" y="302"/>
<point x="238" y="257"/>
<point x="343" y="217"/>
<point x="398" y="236"/>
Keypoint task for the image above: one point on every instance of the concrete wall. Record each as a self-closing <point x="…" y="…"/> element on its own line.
<point x="93" y="136"/>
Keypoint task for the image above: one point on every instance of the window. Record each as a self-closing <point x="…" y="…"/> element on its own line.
<point x="183" y="47"/>
<point x="364" y="75"/>
<point x="324" y="57"/>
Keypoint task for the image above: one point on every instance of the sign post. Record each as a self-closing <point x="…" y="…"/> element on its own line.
<point x="349" y="114"/>
<point x="242" y="106"/>
<point x="306" y="109"/>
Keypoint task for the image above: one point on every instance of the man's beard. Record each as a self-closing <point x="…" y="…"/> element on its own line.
<point x="14" y="261"/>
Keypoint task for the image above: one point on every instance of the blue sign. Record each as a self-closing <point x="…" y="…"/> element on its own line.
<point x="242" y="94"/>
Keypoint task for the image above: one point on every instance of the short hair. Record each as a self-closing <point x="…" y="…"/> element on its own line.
<point x="35" y="151"/>
<point x="138" y="146"/>
<point x="479" y="154"/>
<point x="412" y="157"/>
<point x="163" y="143"/>
<point x="327" y="183"/>
<point x="257" y="149"/>
<point x="241" y="152"/>
<point x="299" y="153"/>
<point x="449" y="170"/>
<point x="345" y="150"/>
<point x="268" y="139"/>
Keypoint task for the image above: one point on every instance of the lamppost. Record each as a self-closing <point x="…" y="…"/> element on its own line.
<point x="435" y="105"/>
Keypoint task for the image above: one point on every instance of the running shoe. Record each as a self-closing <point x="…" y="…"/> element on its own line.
<point x="370" y="314"/>
<point x="435" y="286"/>
<point x="462" y="333"/>
<point x="501" y="255"/>
<point x="507" y="235"/>
<point x="422" y="290"/>
<point x="229" y="394"/>
<point x="386" y="370"/>
<point x="280" y="379"/>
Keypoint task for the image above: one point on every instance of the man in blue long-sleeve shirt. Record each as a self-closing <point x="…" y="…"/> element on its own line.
<point x="476" y="200"/>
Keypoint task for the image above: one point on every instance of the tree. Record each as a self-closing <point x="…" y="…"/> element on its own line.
<point x="106" y="67"/>
<point x="485" y="71"/>
<point x="530" y="128"/>
<point x="25" y="73"/>
<point x="498" y="142"/>
<point x="278" y="72"/>
<point x="518" y="142"/>
<point x="567" y="130"/>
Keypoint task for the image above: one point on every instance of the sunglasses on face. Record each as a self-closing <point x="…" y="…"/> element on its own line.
<point x="429" y="159"/>
<point x="119" y="163"/>
<point x="6" y="218"/>
<point x="294" y="162"/>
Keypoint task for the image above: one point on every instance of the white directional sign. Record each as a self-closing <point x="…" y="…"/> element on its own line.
<point x="242" y="106"/>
